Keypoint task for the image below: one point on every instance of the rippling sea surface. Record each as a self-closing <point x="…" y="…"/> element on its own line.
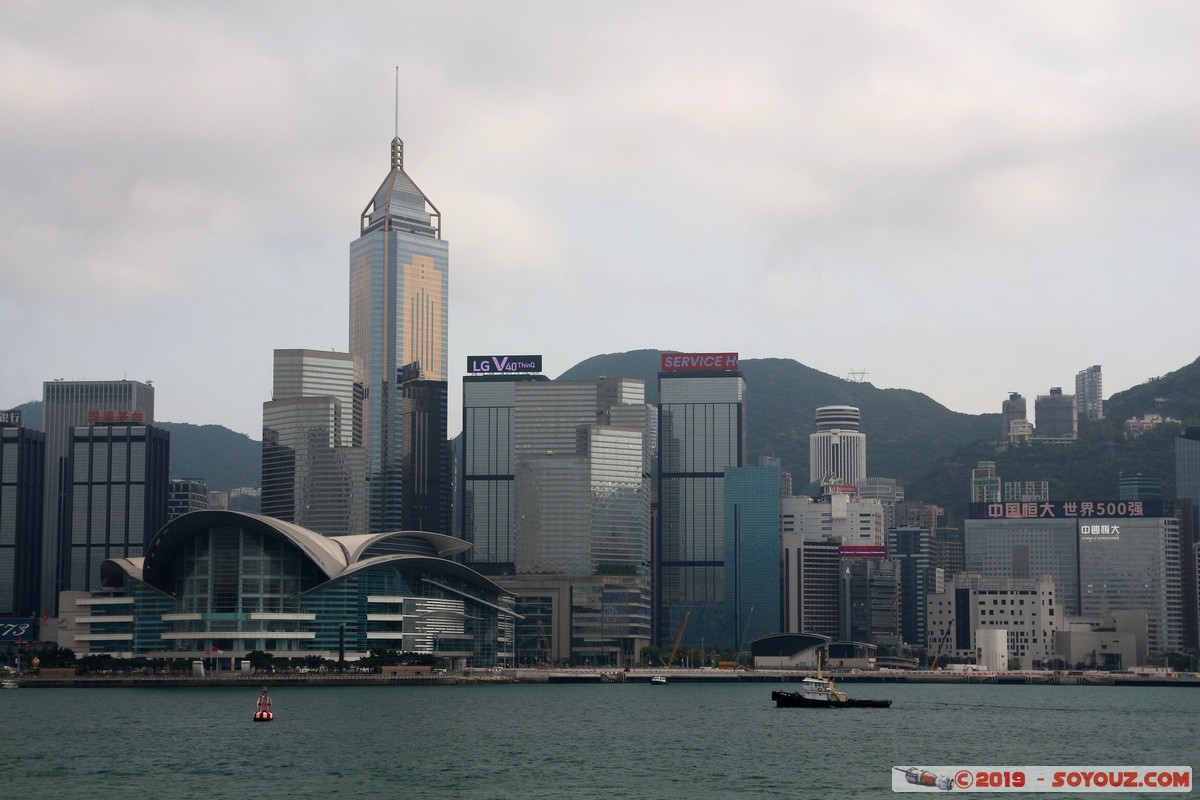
<point x="684" y="740"/>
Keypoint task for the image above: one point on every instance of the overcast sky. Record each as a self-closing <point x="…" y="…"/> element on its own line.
<point x="959" y="198"/>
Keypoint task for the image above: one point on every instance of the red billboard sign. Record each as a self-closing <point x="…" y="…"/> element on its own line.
<point x="109" y="417"/>
<point x="683" y="362"/>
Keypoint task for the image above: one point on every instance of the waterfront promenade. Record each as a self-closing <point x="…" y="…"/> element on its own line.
<point x="567" y="676"/>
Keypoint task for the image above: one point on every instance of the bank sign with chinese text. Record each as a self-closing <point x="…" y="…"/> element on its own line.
<point x="1068" y="509"/>
<point x="683" y="362"/>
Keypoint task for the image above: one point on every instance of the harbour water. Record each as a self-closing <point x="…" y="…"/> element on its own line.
<point x="565" y="741"/>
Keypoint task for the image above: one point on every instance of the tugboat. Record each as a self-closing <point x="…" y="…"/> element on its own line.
<point x="264" y="713"/>
<point x="820" y="692"/>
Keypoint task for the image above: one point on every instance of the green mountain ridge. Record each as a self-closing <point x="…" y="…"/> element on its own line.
<point x="911" y="437"/>
<point x="782" y="396"/>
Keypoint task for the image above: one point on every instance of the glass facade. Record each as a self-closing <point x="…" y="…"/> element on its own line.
<point x="116" y="498"/>
<point x="399" y="289"/>
<point x="425" y="457"/>
<point x="700" y="433"/>
<point x="313" y="462"/>
<point x="1026" y="548"/>
<point x="752" y="549"/>
<point x="1133" y="564"/>
<point x="1187" y="466"/>
<point x="912" y="549"/>
<point x="556" y="498"/>
<point x="65" y="405"/>
<point x="488" y="473"/>
<point x="22" y="461"/>
<point x="238" y="582"/>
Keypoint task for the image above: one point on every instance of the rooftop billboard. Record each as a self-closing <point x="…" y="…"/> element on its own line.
<point x="492" y="365"/>
<point x="683" y="362"/>
<point x="1068" y="509"/>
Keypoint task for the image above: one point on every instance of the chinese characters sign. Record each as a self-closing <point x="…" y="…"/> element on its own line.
<point x="1068" y="509"/>
<point x="109" y="417"/>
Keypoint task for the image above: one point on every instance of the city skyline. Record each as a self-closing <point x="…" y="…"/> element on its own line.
<point x="927" y="162"/>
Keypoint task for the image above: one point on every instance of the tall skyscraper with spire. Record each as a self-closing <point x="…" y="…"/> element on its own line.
<point x="399" y="285"/>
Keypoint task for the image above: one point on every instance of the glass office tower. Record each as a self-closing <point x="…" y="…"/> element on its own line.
<point x="1133" y="564"/>
<point x="752" y="553"/>
<point x="116" y="498"/>
<point x="701" y="431"/>
<point x="22" y="471"/>
<point x="399" y="287"/>
<point x="489" y="470"/>
<point x="66" y="404"/>
<point x="313" y="462"/>
<point x="556" y="496"/>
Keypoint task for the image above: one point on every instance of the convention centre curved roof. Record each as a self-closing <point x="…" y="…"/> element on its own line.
<point x="335" y="556"/>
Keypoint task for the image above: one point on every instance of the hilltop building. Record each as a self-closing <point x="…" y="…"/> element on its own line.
<point x="1056" y="416"/>
<point x="1089" y="393"/>
<point x="985" y="483"/>
<point x="1012" y="411"/>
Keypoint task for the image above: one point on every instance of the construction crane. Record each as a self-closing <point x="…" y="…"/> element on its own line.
<point x="678" y="639"/>
<point x="945" y="638"/>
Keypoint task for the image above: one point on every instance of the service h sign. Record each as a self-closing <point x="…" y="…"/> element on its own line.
<point x="683" y="362"/>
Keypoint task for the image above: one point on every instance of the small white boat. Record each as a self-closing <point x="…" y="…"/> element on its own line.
<point x="9" y="683"/>
<point x="658" y="680"/>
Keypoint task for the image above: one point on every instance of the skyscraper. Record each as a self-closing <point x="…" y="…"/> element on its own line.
<point x="22" y="471"/>
<point x="838" y="450"/>
<point x="752" y="552"/>
<point x="313" y="462"/>
<point x="1089" y="393"/>
<point x="399" y="286"/>
<point x="65" y="405"/>
<point x="115" y="498"/>
<point x="555" y="492"/>
<point x="701" y="431"/>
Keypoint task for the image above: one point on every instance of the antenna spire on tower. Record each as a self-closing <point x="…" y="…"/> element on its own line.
<point x="397" y="144"/>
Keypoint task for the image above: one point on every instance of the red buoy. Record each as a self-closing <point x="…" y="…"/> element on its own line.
<point x="264" y="713"/>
